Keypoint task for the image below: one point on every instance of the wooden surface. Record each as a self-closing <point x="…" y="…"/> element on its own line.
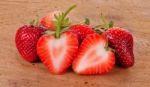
<point x="131" y="14"/>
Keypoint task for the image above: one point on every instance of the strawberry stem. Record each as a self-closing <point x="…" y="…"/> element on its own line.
<point x="85" y="21"/>
<point x="35" y="21"/>
<point x="61" y="21"/>
<point x="104" y="26"/>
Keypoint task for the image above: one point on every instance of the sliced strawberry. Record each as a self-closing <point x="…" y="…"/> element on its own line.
<point x="57" y="53"/>
<point x="93" y="57"/>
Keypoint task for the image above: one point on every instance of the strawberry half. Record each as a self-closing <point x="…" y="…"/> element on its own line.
<point x="57" y="50"/>
<point x="93" y="56"/>
<point x="81" y="30"/>
<point x="57" y="54"/>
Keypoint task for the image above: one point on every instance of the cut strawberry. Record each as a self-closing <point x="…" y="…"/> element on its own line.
<point x="57" y="54"/>
<point x="56" y="50"/>
<point x="94" y="57"/>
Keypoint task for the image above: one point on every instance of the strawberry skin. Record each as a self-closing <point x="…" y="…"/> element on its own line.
<point x="93" y="57"/>
<point x="57" y="53"/>
<point x="81" y="30"/>
<point x="47" y="21"/>
<point x="122" y="41"/>
<point x="26" y="41"/>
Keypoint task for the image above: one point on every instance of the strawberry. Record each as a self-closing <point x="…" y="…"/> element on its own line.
<point x="81" y="30"/>
<point x="94" y="56"/>
<point x="57" y="53"/>
<point x="47" y="21"/>
<point x="122" y="41"/>
<point x="57" y="50"/>
<point x="26" y="40"/>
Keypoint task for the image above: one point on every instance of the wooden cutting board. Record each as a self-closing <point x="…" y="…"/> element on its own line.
<point x="131" y="14"/>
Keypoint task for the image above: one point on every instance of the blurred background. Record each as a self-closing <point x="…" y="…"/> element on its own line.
<point x="133" y="15"/>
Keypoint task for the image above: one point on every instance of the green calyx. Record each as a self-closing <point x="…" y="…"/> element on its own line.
<point x="35" y="22"/>
<point x="105" y="24"/>
<point x="85" y="21"/>
<point x="62" y="22"/>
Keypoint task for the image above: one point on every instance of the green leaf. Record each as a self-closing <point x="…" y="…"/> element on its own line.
<point x="35" y="21"/>
<point x="111" y="24"/>
<point x="106" y="23"/>
<point x="61" y="20"/>
<point x="87" y="21"/>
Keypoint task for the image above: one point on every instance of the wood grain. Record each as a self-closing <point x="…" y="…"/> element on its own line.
<point x="131" y="14"/>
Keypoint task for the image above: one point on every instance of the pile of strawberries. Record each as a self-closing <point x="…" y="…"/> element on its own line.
<point x="88" y="50"/>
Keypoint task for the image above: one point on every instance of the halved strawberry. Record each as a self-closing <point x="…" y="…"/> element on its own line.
<point x="57" y="50"/>
<point x="93" y="56"/>
<point x="57" y="54"/>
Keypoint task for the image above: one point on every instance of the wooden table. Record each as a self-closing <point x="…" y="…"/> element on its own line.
<point x="131" y="14"/>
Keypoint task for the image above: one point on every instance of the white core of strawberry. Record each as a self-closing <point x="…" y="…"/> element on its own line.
<point x="100" y="55"/>
<point x="59" y="46"/>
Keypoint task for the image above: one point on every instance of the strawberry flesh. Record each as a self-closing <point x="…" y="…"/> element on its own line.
<point x="92" y="57"/>
<point x="57" y="53"/>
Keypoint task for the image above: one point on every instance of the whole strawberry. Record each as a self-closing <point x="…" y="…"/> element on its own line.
<point x="122" y="41"/>
<point x="81" y="30"/>
<point x="26" y="41"/>
<point x="47" y="20"/>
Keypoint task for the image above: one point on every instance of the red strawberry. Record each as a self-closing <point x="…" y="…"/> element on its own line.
<point x="47" y="21"/>
<point x="122" y="41"/>
<point x="57" y="50"/>
<point x="26" y="40"/>
<point x="57" y="53"/>
<point x="81" y="30"/>
<point x="93" y="56"/>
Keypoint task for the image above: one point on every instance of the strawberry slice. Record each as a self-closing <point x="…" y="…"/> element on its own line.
<point x="57" y="54"/>
<point x="93" y="56"/>
<point x="56" y="50"/>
